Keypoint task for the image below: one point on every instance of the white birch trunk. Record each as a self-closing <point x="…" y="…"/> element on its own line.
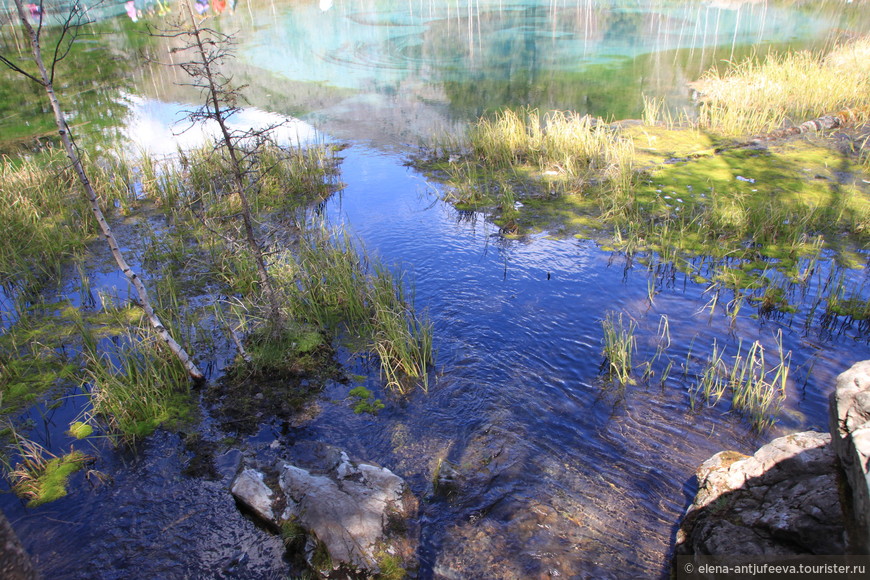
<point x="91" y="195"/>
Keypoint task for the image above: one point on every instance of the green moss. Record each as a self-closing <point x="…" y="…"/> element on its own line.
<point x="51" y="483"/>
<point x="283" y="350"/>
<point x="655" y="145"/>
<point x="365" y="401"/>
<point x="391" y="567"/>
<point x="80" y="430"/>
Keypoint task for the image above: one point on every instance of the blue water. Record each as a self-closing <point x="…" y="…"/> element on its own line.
<point x="564" y="473"/>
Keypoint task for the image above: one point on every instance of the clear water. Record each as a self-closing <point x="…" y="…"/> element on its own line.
<point x="564" y="474"/>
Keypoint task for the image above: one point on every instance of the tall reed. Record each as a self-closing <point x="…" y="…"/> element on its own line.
<point x="619" y="346"/>
<point x="757" y="386"/>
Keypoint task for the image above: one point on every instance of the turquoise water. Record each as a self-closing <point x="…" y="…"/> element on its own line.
<point x="466" y="58"/>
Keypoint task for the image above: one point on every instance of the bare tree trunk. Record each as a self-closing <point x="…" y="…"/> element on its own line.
<point x="214" y="104"/>
<point x="63" y="130"/>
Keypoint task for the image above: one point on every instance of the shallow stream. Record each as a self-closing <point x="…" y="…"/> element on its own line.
<point x="567" y="475"/>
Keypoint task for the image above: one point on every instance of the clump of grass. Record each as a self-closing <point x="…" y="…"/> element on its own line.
<point x="283" y="178"/>
<point x="655" y="112"/>
<point x="44" y="220"/>
<point x="758" y="96"/>
<point x="402" y="341"/>
<point x="619" y="347"/>
<point x="663" y="342"/>
<point x="757" y="388"/>
<point x="136" y="384"/>
<point x="331" y="282"/>
<point x="580" y="147"/>
<point x="293" y="533"/>
<point x="521" y="155"/>
<point x="337" y="288"/>
<point x="391" y="567"/>
<point x="40" y="476"/>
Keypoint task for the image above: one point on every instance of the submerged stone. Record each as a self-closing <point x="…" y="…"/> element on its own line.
<point x="355" y="515"/>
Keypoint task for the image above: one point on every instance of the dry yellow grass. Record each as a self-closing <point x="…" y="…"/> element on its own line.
<point x="757" y="96"/>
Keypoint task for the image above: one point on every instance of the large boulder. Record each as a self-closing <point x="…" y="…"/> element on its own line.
<point x="850" y="426"/>
<point x="783" y="500"/>
<point x="358" y="516"/>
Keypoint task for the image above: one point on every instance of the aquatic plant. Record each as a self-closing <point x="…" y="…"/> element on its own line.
<point x="655" y="112"/>
<point x="663" y="342"/>
<point x="364" y="401"/>
<point x="756" y="387"/>
<point x="619" y="347"/>
<point x="135" y="384"/>
<point x="44" y="77"/>
<point x="578" y="147"/>
<point x="32" y="360"/>
<point x="402" y="341"/>
<point x="241" y="164"/>
<point x="391" y="567"/>
<point x="336" y="287"/>
<point x="270" y="350"/>
<point x="40" y="476"/>
<point x="44" y="223"/>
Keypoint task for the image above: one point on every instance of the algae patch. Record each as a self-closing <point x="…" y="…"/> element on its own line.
<point x="41" y="481"/>
<point x="80" y="430"/>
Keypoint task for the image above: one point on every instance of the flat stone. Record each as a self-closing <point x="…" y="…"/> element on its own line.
<point x="357" y="512"/>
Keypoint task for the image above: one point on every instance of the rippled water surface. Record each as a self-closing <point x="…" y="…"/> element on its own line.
<point x="565" y="474"/>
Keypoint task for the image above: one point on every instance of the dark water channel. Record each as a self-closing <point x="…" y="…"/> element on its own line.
<point x="565" y="475"/>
